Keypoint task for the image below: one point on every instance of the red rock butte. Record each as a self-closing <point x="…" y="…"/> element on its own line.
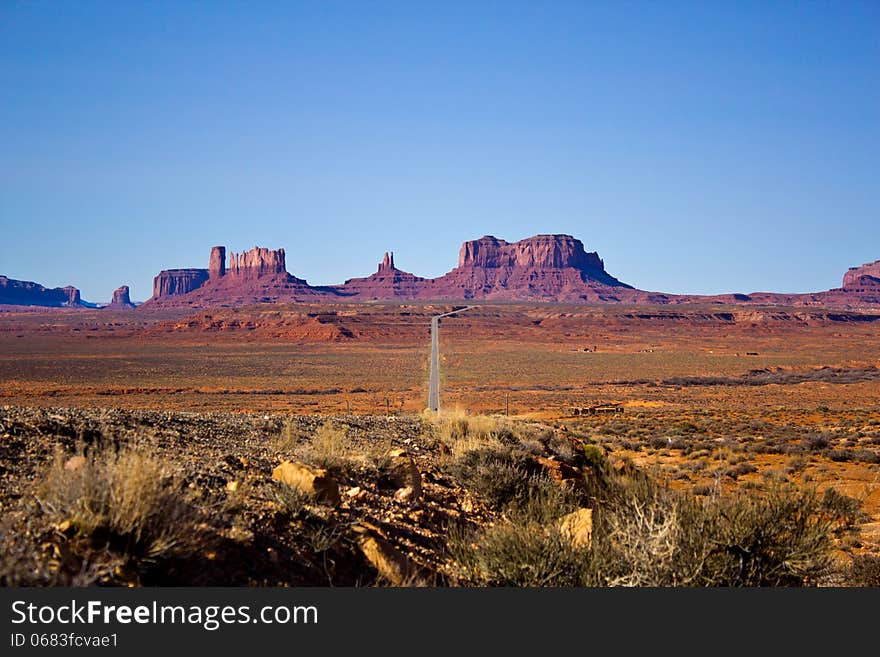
<point x="543" y="268"/>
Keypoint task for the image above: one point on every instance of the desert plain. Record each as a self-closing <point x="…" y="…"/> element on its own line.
<point x="713" y="399"/>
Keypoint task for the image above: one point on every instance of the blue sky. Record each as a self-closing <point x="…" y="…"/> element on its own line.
<point x="700" y="147"/>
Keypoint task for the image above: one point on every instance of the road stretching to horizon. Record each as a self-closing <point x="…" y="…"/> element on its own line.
<point x="434" y="377"/>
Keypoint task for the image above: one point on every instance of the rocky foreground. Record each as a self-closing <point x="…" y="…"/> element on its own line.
<point x="150" y="498"/>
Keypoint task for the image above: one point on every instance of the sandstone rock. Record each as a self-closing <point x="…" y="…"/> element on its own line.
<point x="403" y="473"/>
<point x="315" y="482"/>
<point x="577" y="527"/>
<point x="854" y="277"/>
<point x="217" y="262"/>
<point x="391" y="564"/>
<point x="256" y="263"/>
<point x="387" y="264"/>
<point x="121" y="298"/>
<point x="562" y="473"/>
<point x="73" y="298"/>
<point x="406" y="495"/>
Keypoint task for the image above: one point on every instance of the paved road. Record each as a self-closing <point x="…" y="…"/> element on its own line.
<point x="434" y="378"/>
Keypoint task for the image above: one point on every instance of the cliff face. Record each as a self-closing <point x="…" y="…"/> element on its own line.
<point x="177" y="282"/>
<point x="540" y="253"/>
<point x="27" y="293"/>
<point x="548" y="265"/>
<point x="256" y="263"/>
<point x="868" y="275"/>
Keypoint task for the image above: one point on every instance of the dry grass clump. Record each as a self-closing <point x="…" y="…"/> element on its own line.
<point x="459" y="432"/>
<point x="332" y="448"/>
<point x="124" y="499"/>
<point x="329" y="448"/>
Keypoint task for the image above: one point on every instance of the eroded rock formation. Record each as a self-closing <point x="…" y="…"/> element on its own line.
<point x="27" y="293"/>
<point x="121" y="298"/>
<point x="548" y="268"/>
<point x="217" y="263"/>
<point x="177" y="282"/>
<point x="868" y="275"/>
<point x="256" y="262"/>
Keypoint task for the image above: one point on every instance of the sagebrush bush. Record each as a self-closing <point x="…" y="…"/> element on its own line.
<point x="650" y="536"/>
<point x="500" y="477"/>
<point x="842" y="508"/>
<point x="526" y="549"/>
<point x="124" y="499"/>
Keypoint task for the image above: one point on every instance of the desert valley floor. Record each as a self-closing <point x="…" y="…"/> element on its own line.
<point x="714" y="398"/>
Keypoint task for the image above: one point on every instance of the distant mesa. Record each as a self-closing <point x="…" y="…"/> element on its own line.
<point x="539" y="268"/>
<point x="28" y="293"/>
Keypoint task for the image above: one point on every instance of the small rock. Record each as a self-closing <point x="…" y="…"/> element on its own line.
<point x="405" y="494"/>
<point x="577" y="527"/>
<point x="355" y="493"/>
<point x="231" y="486"/>
<point x="315" y="482"/>
<point x="74" y="463"/>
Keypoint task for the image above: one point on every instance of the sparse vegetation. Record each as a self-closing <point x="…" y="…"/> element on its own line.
<point x="493" y="494"/>
<point x="125" y="501"/>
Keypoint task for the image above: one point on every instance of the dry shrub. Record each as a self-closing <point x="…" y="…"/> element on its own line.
<point x="499" y="477"/>
<point x="123" y="499"/>
<point x="646" y="535"/>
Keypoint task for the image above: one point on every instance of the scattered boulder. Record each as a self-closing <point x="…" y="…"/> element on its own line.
<point x="562" y="473"/>
<point x="577" y="527"/>
<point x="315" y="482"/>
<point x="391" y="564"/>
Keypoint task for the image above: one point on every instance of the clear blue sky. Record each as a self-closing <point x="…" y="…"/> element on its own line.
<point x="700" y="147"/>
